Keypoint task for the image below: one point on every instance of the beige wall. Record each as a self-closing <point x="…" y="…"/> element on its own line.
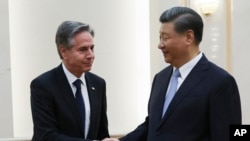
<point x="6" y="118"/>
<point x="240" y="52"/>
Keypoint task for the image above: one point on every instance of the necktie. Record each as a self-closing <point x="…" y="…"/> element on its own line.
<point x="80" y="102"/>
<point x="172" y="90"/>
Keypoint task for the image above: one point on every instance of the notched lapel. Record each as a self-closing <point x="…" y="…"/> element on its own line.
<point x="158" y="94"/>
<point x="160" y="89"/>
<point x="66" y="92"/>
<point x="192" y="80"/>
<point x="92" y="90"/>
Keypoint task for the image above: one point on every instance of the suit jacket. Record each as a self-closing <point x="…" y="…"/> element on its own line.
<point x="204" y="106"/>
<point x="54" y="109"/>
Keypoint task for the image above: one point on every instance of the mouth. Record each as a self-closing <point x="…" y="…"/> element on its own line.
<point x="165" y="53"/>
<point x="88" y="64"/>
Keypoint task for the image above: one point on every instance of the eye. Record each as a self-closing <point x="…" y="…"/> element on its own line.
<point x="92" y="48"/>
<point x="82" y="49"/>
<point x="164" y="38"/>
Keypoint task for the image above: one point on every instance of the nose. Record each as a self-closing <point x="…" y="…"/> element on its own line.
<point x="160" y="45"/>
<point x="91" y="54"/>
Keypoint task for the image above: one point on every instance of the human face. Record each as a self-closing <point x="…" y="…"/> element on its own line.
<point x="80" y="57"/>
<point x="173" y="45"/>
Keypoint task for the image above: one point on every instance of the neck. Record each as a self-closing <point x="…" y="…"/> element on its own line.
<point x="192" y="54"/>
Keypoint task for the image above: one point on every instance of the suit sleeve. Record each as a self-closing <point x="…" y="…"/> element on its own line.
<point x="104" y="133"/>
<point x="225" y="109"/>
<point x="44" y="118"/>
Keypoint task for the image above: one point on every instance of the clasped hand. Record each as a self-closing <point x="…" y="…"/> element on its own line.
<point x="110" y="139"/>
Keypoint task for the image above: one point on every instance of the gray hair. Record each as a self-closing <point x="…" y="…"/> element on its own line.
<point x="66" y="32"/>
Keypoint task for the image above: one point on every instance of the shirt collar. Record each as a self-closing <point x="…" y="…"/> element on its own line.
<point x="186" y="68"/>
<point x="71" y="77"/>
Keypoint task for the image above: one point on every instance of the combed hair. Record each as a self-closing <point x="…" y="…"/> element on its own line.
<point x="66" y="32"/>
<point x="184" y="19"/>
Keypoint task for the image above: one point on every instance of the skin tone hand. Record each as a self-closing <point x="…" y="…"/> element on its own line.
<point x="110" y="139"/>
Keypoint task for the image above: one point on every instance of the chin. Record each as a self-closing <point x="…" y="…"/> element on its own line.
<point x="87" y="70"/>
<point x="167" y="60"/>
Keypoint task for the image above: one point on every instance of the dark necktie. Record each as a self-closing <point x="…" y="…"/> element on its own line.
<point x="172" y="90"/>
<point x="80" y="102"/>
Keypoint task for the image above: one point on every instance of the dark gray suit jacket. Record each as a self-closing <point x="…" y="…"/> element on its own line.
<point x="54" y="109"/>
<point x="204" y="106"/>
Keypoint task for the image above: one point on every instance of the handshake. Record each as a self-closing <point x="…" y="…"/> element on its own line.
<point x="110" y="139"/>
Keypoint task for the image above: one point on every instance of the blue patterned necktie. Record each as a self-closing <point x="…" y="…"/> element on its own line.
<point x="80" y="102"/>
<point x="172" y="90"/>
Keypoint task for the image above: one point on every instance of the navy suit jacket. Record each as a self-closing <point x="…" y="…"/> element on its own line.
<point x="204" y="106"/>
<point x="54" y="109"/>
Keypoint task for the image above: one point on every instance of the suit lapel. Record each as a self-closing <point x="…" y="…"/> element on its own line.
<point x="161" y="88"/>
<point x="196" y="75"/>
<point x="66" y="91"/>
<point x="92" y="97"/>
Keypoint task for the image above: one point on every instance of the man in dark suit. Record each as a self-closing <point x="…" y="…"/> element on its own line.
<point x="206" y="98"/>
<point x="55" y="95"/>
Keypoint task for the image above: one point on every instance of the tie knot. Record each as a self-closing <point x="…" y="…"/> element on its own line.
<point x="77" y="83"/>
<point x="176" y="73"/>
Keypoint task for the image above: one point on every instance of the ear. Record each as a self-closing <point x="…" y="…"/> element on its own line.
<point x="63" y="51"/>
<point x="189" y="36"/>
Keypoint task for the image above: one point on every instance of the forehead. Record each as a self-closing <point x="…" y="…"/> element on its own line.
<point x="167" y="28"/>
<point x="83" y="37"/>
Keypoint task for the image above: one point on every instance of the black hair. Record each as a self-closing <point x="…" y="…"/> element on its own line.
<point x="184" y="19"/>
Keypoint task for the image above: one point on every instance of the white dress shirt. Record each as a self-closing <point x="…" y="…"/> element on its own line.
<point x="72" y="78"/>
<point x="186" y="69"/>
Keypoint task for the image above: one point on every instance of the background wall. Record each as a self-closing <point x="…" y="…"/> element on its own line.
<point x="127" y="35"/>
<point x="240" y="52"/>
<point x="6" y="118"/>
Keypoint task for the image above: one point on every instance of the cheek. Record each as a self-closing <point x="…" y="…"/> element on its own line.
<point x="182" y="51"/>
<point x="69" y="56"/>
<point x="174" y="46"/>
<point x="180" y="44"/>
<point x="178" y="48"/>
<point x="65" y="56"/>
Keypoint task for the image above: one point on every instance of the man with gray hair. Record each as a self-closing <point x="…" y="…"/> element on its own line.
<point x="68" y="103"/>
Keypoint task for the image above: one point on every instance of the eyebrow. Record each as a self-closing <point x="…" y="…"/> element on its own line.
<point x="164" y="34"/>
<point x="88" y="45"/>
